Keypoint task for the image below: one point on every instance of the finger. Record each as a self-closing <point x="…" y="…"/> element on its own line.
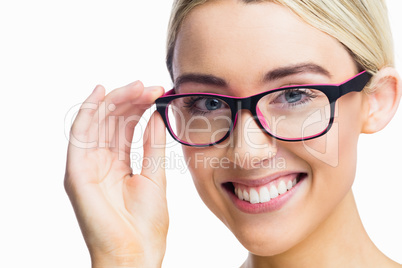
<point x="89" y="107"/>
<point x="135" y="106"/>
<point x="150" y="94"/>
<point x="121" y="135"/>
<point x="114" y="99"/>
<point x="122" y="105"/>
<point x="133" y="93"/>
<point x="154" y="150"/>
<point x="133" y="116"/>
<point x="125" y="94"/>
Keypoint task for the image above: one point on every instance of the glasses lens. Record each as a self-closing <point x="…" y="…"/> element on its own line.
<point x="199" y="119"/>
<point x="294" y="114"/>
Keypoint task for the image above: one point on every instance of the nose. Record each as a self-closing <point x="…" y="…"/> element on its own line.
<point x="250" y="147"/>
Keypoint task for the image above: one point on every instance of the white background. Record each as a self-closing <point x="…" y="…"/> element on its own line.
<point x="52" y="54"/>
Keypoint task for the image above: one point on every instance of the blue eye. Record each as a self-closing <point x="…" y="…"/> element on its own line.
<point x="204" y="105"/>
<point x="293" y="96"/>
<point x="212" y="104"/>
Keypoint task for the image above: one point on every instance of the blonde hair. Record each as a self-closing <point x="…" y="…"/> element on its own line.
<point x="362" y="26"/>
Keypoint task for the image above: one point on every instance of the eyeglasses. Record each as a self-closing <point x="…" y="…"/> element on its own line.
<point x="292" y="113"/>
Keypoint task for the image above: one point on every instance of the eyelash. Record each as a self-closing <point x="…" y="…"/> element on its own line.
<point x="190" y="105"/>
<point x="308" y="95"/>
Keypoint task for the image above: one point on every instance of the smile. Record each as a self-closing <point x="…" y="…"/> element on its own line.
<point x="261" y="196"/>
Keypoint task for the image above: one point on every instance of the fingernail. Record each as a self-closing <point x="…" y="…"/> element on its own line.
<point x="135" y="83"/>
<point x="96" y="87"/>
<point x="155" y="88"/>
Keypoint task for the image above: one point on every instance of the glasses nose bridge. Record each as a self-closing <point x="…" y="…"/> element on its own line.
<point x="243" y="104"/>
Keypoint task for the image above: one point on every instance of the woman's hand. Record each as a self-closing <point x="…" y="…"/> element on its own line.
<point x="123" y="217"/>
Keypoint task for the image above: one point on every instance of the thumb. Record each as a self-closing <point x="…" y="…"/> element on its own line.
<point x="153" y="165"/>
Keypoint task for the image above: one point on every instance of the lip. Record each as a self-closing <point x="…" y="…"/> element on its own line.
<point x="263" y="181"/>
<point x="270" y="206"/>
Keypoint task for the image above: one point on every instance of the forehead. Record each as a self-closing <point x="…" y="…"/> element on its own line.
<point x="233" y="40"/>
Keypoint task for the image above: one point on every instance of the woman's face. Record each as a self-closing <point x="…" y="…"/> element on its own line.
<point x="237" y="45"/>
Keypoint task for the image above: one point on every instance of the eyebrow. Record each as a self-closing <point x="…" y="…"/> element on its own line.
<point x="285" y="71"/>
<point x="278" y="73"/>
<point x="205" y="79"/>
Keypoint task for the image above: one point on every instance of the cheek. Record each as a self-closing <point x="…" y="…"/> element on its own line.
<point x="333" y="157"/>
<point x="331" y="160"/>
<point x="196" y="166"/>
<point x="203" y="164"/>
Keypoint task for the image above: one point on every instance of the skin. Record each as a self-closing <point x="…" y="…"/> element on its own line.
<point x="264" y="37"/>
<point x="124" y="217"/>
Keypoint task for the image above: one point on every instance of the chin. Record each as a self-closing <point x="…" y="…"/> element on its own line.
<point x="266" y="245"/>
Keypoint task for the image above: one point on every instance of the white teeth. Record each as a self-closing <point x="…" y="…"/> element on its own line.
<point x="273" y="192"/>
<point x="246" y="196"/>
<point x="240" y="194"/>
<point x="282" y="187"/>
<point x="254" y="197"/>
<point x="264" y="195"/>
<point x="289" y="185"/>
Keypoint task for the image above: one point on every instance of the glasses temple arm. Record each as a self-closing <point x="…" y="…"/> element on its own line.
<point x="357" y="83"/>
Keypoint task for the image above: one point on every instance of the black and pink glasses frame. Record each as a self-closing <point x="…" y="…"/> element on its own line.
<point x="332" y="91"/>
